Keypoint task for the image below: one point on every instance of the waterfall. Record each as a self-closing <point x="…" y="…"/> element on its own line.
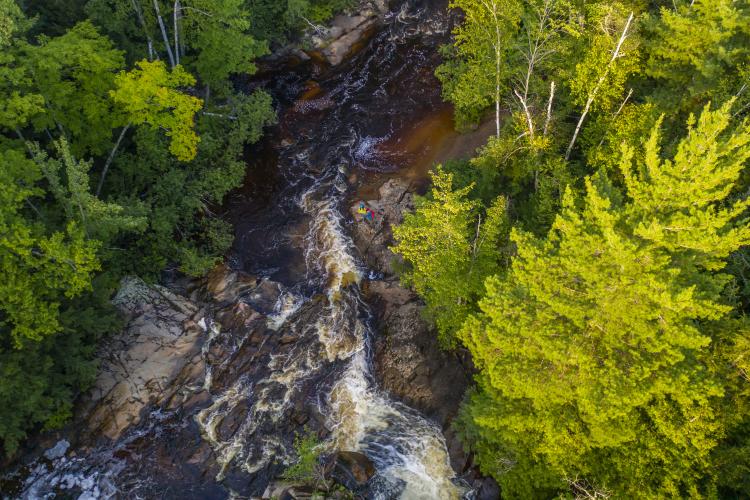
<point x="298" y="238"/>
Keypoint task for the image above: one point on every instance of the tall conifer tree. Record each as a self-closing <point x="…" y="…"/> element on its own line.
<point x="593" y="350"/>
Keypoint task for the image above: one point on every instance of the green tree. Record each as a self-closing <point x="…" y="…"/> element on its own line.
<point x="179" y="197"/>
<point x="611" y="56"/>
<point x="218" y="32"/>
<point x="68" y="181"/>
<point x="150" y="94"/>
<point x="74" y="73"/>
<point x="16" y="106"/>
<point x="695" y="45"/>
<point x="307" y="469"/>
<point x="475" y="75"/>
<point x="37" y="267"/>
<point x="451" y="248"/>
<point x="594" y="351"/>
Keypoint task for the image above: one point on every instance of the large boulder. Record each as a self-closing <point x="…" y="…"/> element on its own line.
<point x="352" y="470"/>
<point x="149" y="362"/>
<point x="373" y="238"/>
<point x="347" y="33"/>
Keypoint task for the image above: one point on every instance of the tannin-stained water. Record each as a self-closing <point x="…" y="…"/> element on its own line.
<point x="297" y="236"/>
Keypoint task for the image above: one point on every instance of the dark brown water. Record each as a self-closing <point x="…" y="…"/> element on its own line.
<point x="339" y="130"/>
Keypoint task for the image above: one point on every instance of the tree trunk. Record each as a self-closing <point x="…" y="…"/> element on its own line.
<point x="164" y="34"/>
<point x="110" y="158"/>
<point x="599" y="83"/>
<point x="142" y="22"/>
<point x="549" y="107"/>
<point x="175" y="16"/>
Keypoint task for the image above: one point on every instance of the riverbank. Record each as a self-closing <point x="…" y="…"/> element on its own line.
<point x="408" y="360"/>
<point x="293" y="335"/>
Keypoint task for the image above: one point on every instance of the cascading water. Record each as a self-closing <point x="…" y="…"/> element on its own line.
<point x="403" y="445"/>
<point x="299" y="239"/>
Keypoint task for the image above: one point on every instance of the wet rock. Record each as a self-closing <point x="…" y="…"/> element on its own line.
<point x="352" y="469"/>
<point x="232" y="421"/>
<point x="411" y="365"/>
<point x="348" y="32"/>
<point x="486" y="489"/>
<point x="374" y="238"/>
<point x="408" y="360"/>
<point x="239" y="316"/>
<point x="225" y="284"/>
<point x="58" y="450"/>
<point x="348" y="35"/>
<point x="285" y="491"/>
<point x="264" y="296"/>
<point x="228" y="287"/>
<point x="157" y="354"/>
<point x="288" y="339"/>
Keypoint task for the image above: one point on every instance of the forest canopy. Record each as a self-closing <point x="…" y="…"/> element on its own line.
<point x="120" y="133"/>
<point x="597" y="271"/>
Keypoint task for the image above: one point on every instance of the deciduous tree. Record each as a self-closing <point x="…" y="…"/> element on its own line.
<point x="151" y="94"/>
<point x="451" y="248"/>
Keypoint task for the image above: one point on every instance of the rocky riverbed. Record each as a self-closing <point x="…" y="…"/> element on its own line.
<point x="305" y="329"/>
<point x="409" y="362"/>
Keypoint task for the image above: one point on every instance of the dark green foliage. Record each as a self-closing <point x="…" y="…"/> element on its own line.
<point x="278" y="20"/>
<point x="74" y="74"/>
<point x="54" y="17"/>
<point x="180" y="198"/>
<point x="74" y="106"/>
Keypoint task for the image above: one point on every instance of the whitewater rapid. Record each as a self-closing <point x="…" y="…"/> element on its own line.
<point x="330" y="360"/>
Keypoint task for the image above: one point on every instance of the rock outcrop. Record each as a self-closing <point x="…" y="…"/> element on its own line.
<point x="155" y="360"/>
<point x="408" y="360"/>
<point x="352" y="470"/>
<point x="347" y="32"/>
<point x="373" y="238"/>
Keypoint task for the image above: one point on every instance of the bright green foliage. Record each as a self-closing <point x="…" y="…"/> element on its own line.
<point x="307" y="469"/>
<point x="694" y="46"/>
<point x="732" y="456"/>
<point x="10" y="19"/>
<point x="474" y="77"/>
<point x="606" y="136"/>
<point x="15" y="107"/>
<point x="150" y="94"/>
<point x="217" y="30"/>
<point x="679" y="198"/>
<point x="74" y="73"/>
<point x="451" y="249"/>
<point x="37" y="268"/>
<point x="597" y="76"/>
<point x="594" y="363"/>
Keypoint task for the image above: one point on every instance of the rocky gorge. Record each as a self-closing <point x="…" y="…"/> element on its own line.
<point x="306" y="328"/>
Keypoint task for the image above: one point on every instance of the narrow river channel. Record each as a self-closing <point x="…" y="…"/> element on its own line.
<point x="291" y="228"/>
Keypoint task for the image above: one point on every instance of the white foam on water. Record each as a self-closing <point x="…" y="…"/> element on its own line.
<point x="213" y="331"/>
<point x="285" y="307"/>
<point x="359" y="415"/>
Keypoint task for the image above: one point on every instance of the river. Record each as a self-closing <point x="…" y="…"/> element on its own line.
<point x="291" y="223"/>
